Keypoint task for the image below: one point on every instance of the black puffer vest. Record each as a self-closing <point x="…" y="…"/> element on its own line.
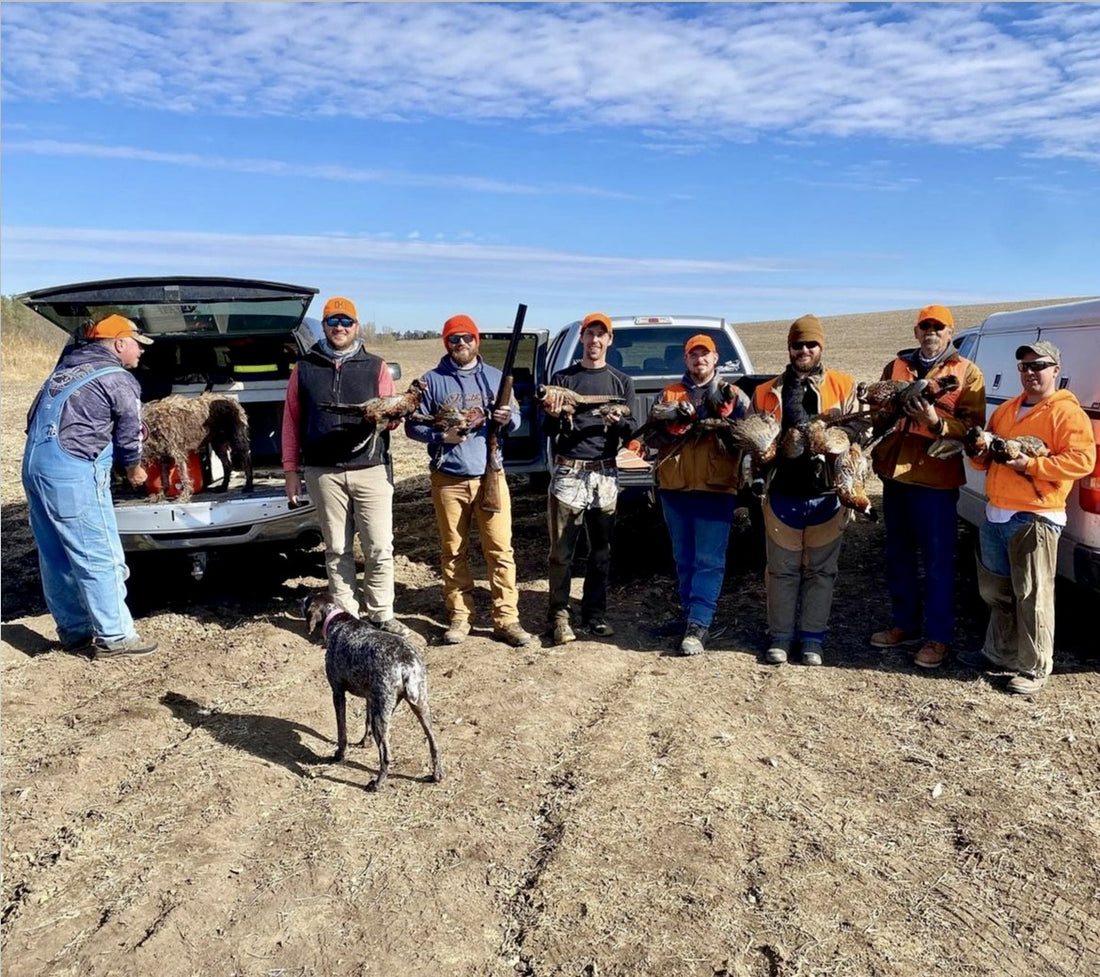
<point x="329" y="439"/>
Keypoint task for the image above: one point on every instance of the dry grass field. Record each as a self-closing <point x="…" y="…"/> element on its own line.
<point x="607" y="809"/>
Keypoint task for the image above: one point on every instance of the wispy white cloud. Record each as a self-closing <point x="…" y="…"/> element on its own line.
<point x="965" y="74"/>
<point x="271" y="167"/>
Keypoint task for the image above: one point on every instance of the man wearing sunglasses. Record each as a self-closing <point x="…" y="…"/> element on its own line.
<point x="458" y="454"/>
<point x="920" y="492"/>
<point x="1024" y="517"/>
<point x="803" y="518"/>
<point x="350" y="482"/>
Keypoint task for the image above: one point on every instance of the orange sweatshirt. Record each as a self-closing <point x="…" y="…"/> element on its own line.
<point x="1065" y="429"/>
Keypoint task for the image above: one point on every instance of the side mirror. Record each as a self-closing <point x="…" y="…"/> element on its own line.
<point x="395" y="369"/>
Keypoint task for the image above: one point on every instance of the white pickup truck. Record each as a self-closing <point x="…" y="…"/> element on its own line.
<point x="648" y="348"/>
<point x="232" y="336"/>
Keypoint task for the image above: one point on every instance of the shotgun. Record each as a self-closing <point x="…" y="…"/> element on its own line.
<point x="494" y="467"/>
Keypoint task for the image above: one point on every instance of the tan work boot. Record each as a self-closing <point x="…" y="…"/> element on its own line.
<point x="931" y="654"/>
<point x="456" y="633"/>
<point x="892" y="638"/>
<point x="512" y="634"/>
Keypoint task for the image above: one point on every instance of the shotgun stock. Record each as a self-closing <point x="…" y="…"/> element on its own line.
<point x="494" y="464"/>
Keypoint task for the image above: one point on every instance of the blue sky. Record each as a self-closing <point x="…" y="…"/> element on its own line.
<point x="756" y="161"/>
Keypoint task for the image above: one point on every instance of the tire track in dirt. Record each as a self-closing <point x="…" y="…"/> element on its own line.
<point x="557" y="795"/>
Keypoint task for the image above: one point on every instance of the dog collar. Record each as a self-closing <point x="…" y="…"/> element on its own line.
<point x="336" y="609"/>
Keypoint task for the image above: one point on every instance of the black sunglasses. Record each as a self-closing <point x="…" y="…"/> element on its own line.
<point x="460" y="337"/>
<point x="931" y="324"/>
<point x="797" y="346"/>
<point x="339" y="322"/>
<point x="1034" y="366"/>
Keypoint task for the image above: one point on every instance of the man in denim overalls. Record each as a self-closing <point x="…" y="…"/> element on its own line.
<point x="87" y="414"/>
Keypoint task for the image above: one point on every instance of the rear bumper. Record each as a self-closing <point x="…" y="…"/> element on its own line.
<point x="202" y="524"/>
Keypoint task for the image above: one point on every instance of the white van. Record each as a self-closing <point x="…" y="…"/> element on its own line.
<point x="1075" y="329"/>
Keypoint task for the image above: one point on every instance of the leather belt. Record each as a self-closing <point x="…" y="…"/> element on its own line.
<point x="599" y="465"/>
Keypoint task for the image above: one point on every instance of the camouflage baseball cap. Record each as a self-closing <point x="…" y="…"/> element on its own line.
<point x="1040" y="348"/>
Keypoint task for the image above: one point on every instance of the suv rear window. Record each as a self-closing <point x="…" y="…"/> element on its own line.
<point x="649" y="351"/>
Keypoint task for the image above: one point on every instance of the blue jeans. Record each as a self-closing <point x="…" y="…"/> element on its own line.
<point x="79" y="553"/>
<point x="699" y="525"/>
<point x="921" y="531"/>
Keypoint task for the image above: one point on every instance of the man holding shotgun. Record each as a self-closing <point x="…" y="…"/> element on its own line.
<point x="468" y="484"/>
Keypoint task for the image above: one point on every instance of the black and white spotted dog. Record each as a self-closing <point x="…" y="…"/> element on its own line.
<point x="380" y="667"/>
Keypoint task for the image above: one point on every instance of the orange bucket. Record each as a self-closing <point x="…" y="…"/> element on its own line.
<point x="155" y="483"/>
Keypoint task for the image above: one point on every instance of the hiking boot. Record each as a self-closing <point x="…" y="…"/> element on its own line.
<point x="599" y="627"/>
<point x="561" y="631"/>
<point x="695" y="639"/>
<point x="82" y="643"/>
<point x="512" y="634"/>
<point x="931" y="654"/>
<point x="811" y="652"/>
<point x="777" y="653"/>
<point x="1026" y="684"/>
<point x="892" y="637"/>
<point x="393" y="626"/>
<point x="670" y="628"/>
<point x="134" y="646"/>
<point x="456" y="632"/>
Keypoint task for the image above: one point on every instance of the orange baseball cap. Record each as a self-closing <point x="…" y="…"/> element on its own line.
<point x="937" y="313"/>
<point x="597" y="319"/>
<point x="340" y="306"/>
<point x="701" y="339"/>
<point x="116" y="327"/>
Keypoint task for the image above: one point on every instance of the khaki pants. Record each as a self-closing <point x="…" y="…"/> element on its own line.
<point x="1020" y="635"/>
<point x="456" y="506"/>
<point x="353" y="500"/>
<point x="801" y="573"/>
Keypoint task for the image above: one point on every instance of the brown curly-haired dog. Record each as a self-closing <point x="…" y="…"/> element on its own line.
<point x="177" y="426"/>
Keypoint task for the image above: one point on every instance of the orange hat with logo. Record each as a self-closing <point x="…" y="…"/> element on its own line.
<point x="701" y="339"/>
<point x="937" y="313"/>
<point x="340" y="306"/>
<point x="807" y="329"/>
<point x="597" y="319"/>
<point x="460" y="324"/>
<point x="116" y="327"/>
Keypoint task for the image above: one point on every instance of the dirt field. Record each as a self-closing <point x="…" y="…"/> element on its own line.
<point x="607" y="809"/>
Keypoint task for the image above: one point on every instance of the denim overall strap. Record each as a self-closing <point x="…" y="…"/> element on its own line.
<point x="72" y="517"/>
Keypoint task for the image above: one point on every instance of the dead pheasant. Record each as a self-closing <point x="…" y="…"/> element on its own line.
<point x="448" y="416"/>
<point x="758" y="434"/>
<point x="665" y="412"/>
<point x="896" y="395"/>
<point x="849" y="478"/>
<point x="820" y="435"/>
<point x="569" y="402"/>
<point x="975" y="442"/>
<point x="380" y="411"/>
<point x="1025" y="446"/>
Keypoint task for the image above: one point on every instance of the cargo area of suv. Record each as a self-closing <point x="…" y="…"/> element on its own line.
<point x="238" y="337"/>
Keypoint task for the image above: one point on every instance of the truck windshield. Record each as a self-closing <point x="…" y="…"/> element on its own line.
<point x="660" y="351"/>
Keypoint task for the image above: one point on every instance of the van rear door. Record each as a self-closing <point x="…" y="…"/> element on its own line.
<point x="524" y="451"/>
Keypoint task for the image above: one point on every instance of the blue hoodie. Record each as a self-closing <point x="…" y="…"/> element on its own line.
<point x="447" y="385"/>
